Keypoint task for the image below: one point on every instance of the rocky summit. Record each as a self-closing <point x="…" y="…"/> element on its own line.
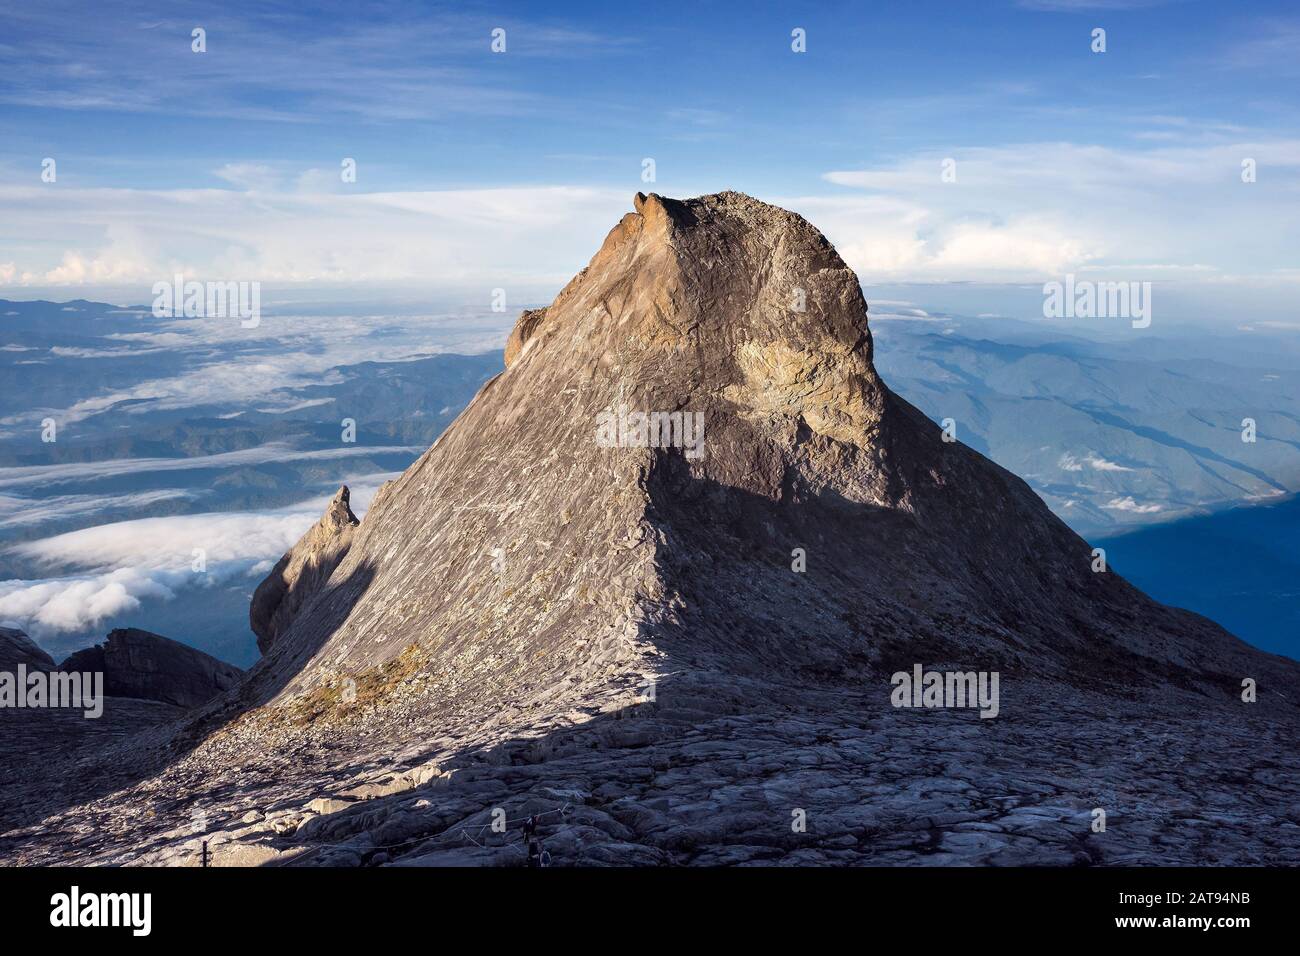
<point x="688" y="584"/>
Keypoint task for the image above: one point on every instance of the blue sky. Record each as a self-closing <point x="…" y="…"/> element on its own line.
<point x="479" y="168"/>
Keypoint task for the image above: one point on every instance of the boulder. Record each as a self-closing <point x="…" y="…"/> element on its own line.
<point x="148" y="666"/>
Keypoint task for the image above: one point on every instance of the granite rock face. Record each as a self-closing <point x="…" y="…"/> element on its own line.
<point x="17" y="648"/>
<point x="148" y="666"/>
<point x="682" y="650"/>
<point x="523" y="554"/>
<point x="300" y="573"/>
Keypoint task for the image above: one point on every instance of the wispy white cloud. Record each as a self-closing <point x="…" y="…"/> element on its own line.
<point x="46" y="475"/>
<point x="168" y="542"/>
<point x="1034" y="210"/>
<point x="375" y="67"/>
<point x="16" y="511"/>
<point x="75" y="603"/>
<point x="80" y="353"/>
<point x="1271" y="44"/>
<point x="487" y="238"/>
<point x="1101" y="464"/>
<point x="1128" y="504"/>
<point x="1068" y="462"/>
<point x="1022" y="212"/>
<point x="249" y="176"/>
<point x="221" y="363"/>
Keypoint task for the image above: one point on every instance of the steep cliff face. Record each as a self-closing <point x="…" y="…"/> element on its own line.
<point x="800" y="520"/>
<point x="148" y="666"/>
<point x="300" y="573"/>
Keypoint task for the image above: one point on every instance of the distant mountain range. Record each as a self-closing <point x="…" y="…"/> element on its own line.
<point x="1112" y="439"/>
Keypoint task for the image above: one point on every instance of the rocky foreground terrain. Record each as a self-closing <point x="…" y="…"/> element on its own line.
<point x="682" y="653"/>
<point x="713" y="785"/>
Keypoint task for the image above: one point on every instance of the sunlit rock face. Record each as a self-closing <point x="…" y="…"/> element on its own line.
<point x="302" y="571"/>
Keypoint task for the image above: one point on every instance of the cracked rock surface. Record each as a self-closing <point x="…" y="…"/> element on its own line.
<point x="647" y="783"/>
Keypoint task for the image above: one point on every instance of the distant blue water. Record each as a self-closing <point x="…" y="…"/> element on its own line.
<point x="1240" y="568"/>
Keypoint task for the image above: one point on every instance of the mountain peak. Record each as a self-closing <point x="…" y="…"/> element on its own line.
<point x="338" y="515"/>
<point x="702" y="396"/>
<point x="764" y="311"/>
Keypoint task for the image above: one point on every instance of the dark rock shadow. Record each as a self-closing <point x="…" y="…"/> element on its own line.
<point x="81" y="765"/>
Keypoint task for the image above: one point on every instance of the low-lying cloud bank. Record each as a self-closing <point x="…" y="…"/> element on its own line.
<point x="214" y="363"/>
<point x="111" y="569"/>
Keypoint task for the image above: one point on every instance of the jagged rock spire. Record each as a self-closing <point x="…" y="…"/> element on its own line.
<point x="302" y="571"/>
